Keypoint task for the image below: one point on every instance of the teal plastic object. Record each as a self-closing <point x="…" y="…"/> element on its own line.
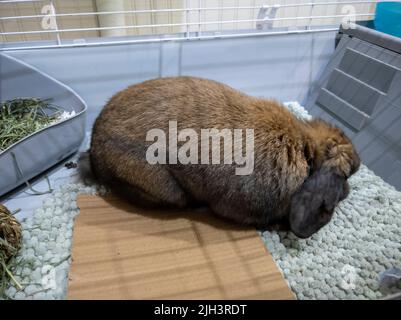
<point x="388" y="18"/>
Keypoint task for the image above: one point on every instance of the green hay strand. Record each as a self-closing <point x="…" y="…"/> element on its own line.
<point x="21" y="117"/>
<point x="5" y="273"/>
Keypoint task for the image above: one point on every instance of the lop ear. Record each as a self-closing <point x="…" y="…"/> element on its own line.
<point x="313" y="204"/>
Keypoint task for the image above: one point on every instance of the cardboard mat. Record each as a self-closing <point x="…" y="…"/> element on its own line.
<point x="123" y="252"/>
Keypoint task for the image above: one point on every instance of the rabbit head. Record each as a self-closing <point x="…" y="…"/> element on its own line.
<point x="332" y="160"/>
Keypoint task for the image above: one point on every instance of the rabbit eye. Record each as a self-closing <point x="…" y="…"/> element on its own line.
<point x="309" y="162"/>
<point x="324" y="213"/>
<point x="309" y="169"/>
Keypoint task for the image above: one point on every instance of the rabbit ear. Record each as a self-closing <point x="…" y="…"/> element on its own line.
<point x="313" y="204"/>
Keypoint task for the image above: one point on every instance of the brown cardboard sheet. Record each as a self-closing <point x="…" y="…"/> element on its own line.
<point x="123" y="252"/>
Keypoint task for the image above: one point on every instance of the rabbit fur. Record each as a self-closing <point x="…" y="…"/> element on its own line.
<point x="300" y="167"/>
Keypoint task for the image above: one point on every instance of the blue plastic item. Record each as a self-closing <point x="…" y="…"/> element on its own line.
<point x="388" y="18"/>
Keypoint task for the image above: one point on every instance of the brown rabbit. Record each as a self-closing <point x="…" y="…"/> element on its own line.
<point x="300" y="168"/>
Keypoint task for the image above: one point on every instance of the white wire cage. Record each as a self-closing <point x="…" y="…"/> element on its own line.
<point x="62" y="23"/>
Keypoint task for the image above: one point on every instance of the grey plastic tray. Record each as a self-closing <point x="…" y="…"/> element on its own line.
<point x="43" y="149"/>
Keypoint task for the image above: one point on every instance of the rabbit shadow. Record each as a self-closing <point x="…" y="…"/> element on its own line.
<point x="197" y="225"/>
<point x="176" y="222"/>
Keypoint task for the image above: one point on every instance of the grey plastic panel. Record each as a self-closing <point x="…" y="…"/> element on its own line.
<point x="372" y="36"/>
<point x="394" y="94"/>
<point x="357" y="93"/>
<point x="360" y="91"/>
<point x="367" y="69"/>
<point x="43" y="149"/>
<point x="342" y="109"/>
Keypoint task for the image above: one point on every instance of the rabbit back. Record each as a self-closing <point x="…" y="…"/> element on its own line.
<point x="281" y="149"/>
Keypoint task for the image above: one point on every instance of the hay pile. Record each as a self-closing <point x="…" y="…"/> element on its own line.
<point x="10" y="242"/>
<point x="21" y="117"/>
